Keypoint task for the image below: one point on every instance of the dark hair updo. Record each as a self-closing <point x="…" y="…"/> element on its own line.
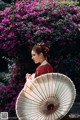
<point x="41" y="48"/>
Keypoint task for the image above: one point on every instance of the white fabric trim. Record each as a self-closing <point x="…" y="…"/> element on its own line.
<point x="44" y="63"/>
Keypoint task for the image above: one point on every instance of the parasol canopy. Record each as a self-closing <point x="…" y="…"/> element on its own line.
<point x="49" y="97"/>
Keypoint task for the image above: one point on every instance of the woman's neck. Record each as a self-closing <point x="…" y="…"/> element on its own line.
<point x="42" y="60"/>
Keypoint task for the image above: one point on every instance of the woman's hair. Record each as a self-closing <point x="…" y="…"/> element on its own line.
<point x="41" y="48"/>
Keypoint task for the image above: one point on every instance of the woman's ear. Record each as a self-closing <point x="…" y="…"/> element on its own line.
<point x="41" y="54"/>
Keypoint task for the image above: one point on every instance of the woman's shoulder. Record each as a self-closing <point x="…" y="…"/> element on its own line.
<point x="47" y="65"/>
<point x="43" y="69"/>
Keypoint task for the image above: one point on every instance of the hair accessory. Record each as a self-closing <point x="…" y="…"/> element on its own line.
<point x="41" y="44"/>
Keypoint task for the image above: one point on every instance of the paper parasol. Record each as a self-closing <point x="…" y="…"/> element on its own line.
<point x="49" y="97"/>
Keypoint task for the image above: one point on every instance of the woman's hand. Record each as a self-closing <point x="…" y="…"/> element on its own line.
<point x="28" y="76"/>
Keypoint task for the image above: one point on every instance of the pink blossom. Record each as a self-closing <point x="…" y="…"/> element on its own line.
<point x="79" y="25"/>
<point x="70" y="18"/>
<point x="45" y="29"/>
<point x="1" y="27"/>
<point x="74" y="24"/>
<point x="75" y="9"/>
<point x="12" y="103"/>
<point x="68" y="30"/>
<point x="54" y="12"/>
<point x="6" y="11"/>
<point x="1" y="37"/>
<point x="38" y="32"/>
<point x="5" y="20"/>
<point x="29" y="41"/>
<point x="41" y="19"/>
<point x="11" y="34"/>
<point x="17" y="15"/>
<point x="12" y="45"/>
<point x="6" y="108"/>
<point x="28" y="35"/>
<point x="65" y="28"/>
<point x="17" y="4"/>
<point x="74" y="17"/>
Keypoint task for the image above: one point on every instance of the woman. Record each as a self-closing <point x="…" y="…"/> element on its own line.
<point x="39" y="55"/>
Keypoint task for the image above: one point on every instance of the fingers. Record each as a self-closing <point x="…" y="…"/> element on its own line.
<point x="28" y="76"/>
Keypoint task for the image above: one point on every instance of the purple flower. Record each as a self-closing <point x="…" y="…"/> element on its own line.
<point x="1" y="37"/>
<point x="70" y="18"/>
<point x="74" y="17"/>
<point x="54" y="12"/>
<point x="68" y="30"/>
<point x="75" y="9"/>
<point x="38" y="32"/>
<point x="12" y="103"/>
<point x="79" y="25"/>
<point x="64" y="28"/>
<point x="45" y="29"/>
<point x="11" y="34"/>
<point x="17" y="15"/>
<point x="17" y="4"/>
<point x="41" y="19"/>
<point x="1" y="27"/>
<point x="6" y="108"/>
<point x="29" y="41"/>
<point x="6" y="11"/>
<point x="5" y="20"/>
<point x="74" y="24"/>
<point x="28" y="35"/>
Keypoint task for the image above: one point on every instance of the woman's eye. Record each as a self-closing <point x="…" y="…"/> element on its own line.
<point x="33" y="55"/>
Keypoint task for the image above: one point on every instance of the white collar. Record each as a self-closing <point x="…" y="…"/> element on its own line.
<point x="44" y="62"/>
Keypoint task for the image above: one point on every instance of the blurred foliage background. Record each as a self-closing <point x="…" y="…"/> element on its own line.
<point x="25" y="23"/>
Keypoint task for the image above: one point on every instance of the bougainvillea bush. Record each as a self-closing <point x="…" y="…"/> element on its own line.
<point x="26" y="23"/>
<point x="9" y="93"/>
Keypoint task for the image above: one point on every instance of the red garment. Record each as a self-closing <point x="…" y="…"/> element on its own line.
<point x="43" y="69"/>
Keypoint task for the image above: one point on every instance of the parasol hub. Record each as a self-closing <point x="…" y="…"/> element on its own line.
<point x="49" y="105"/>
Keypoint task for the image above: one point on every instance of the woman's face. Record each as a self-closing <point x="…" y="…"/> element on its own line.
<point x="36" y="57"/>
